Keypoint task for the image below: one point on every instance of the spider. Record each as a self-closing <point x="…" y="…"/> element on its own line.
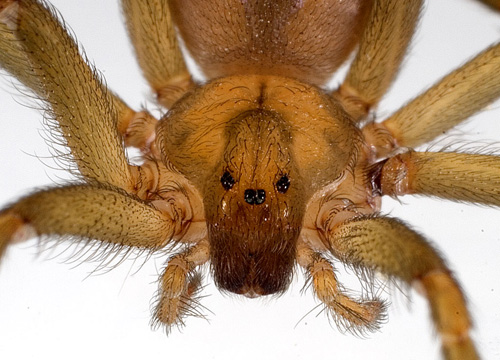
<point x="360" y="315"/>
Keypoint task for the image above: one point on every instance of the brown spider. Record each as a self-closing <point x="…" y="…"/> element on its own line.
<point x="260" y="267"/>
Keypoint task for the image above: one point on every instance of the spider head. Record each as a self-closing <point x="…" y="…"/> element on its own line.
<point x="254" y="207"/>
<point x="240" y="141"/>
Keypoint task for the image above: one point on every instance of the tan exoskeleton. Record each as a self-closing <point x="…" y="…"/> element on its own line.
<point x="258" y="169"/>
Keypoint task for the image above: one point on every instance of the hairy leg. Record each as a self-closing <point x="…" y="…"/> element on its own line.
<point x="381" y="51"/>
<point x="93" y="212"/>
<point x="87" y="113"/>
<point x="391" y="248"/>
<point x="354" y="315"/>
<point x="454" y="176"/>
<point x="452" y="100"/>
<point x="152" y="31"/>
<point x="179" y="285"/>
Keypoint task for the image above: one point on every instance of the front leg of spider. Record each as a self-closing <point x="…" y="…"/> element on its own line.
<point x="388" y="246"/>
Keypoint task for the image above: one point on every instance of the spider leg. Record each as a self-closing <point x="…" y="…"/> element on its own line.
<point x="355" y="315"/>
<point x="179" y="286"/>
<point x="381" y="51"/>
<point x="12" y="56"/>
<point x="391" y="248"/>
<point x="449" y="102"/>
<point x="454" y="176"/>
<point x="137" y="128"/>
<point x="153" y="35"/>
<point x="88" y="115"/>
<point x="94" y="212"/>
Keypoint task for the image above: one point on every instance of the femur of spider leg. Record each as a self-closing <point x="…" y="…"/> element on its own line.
<point x="15" y="60"/>
<point x="153" y="35"/>
<point x="381" y="50"/>
<point x="82" y="113"/>
<point x="90" y="212"/>
<point x="454" y="176"/>
<point x="355" y="315"/>
<point x="449" y="101"/>
<point x="179" y="286"/>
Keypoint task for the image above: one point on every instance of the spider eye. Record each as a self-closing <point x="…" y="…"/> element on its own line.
<point x="283" y="184"/>
<point x="227" y="180"/>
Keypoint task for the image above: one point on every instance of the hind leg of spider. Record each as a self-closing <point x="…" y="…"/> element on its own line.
<point x="388" y="246"/>
<point x="357" y="316"/>
<point x="153" y="35"/>
<point x="381" y="51"/>
<point x="179" y="285"/>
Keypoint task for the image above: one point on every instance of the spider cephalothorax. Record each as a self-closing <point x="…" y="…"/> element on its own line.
<point x="257" y="169"/>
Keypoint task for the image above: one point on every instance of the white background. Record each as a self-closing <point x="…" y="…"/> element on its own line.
<point x="50" y="310"/>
